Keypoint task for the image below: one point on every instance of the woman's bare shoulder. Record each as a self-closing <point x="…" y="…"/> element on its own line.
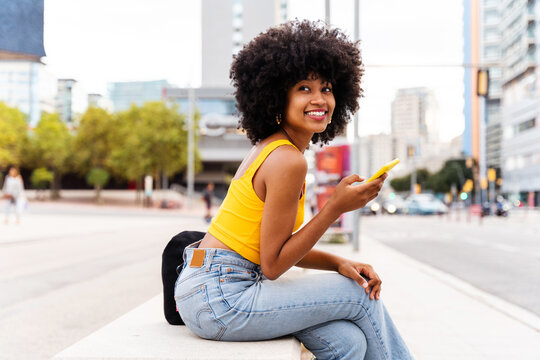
<point x="286" y="161"/>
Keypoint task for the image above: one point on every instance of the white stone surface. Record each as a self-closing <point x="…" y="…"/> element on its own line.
<point x="144" y="334"/>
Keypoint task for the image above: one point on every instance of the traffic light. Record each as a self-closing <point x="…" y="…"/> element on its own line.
<point x="482" y="82"/>
<point x="468" y="186"/>
<point x="463" y="196"/>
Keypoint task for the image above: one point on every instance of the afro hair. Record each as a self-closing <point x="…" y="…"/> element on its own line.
<point x="266" y="68"/>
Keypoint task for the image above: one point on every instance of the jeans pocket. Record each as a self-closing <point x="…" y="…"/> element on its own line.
<point x="198" y="315"/>
<point x="233" y="282"/>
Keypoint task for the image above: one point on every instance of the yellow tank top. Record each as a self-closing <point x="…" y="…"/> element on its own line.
<point x="238" y="221"/>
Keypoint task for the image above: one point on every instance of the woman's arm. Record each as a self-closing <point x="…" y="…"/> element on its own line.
<point x="283" y="173"/>
<point x="362" y="273"/>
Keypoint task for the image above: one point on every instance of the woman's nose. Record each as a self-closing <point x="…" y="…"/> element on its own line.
<point x="317" y="98"/>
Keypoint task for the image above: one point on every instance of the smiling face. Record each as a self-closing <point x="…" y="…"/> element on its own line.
<point x="310" y="104"/>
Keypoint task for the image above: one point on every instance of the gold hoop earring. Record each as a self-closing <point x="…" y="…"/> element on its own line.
<point x="278" y="119"/>
<point x="330" y="121"/>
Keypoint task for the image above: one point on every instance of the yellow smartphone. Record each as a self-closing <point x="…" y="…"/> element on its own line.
<point x="384" y="169"/>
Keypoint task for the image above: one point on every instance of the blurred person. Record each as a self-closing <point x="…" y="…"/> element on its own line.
<point x="208" y="194"/>
<point x="13" y="192"/>
<point x="295" y="84"/>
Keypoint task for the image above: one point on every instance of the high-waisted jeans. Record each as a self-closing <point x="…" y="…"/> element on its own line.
<point x="227" y="298"/>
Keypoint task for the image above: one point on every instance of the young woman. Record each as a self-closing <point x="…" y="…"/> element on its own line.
<point x="13" y="191"/>
<point x="295" y="84"/>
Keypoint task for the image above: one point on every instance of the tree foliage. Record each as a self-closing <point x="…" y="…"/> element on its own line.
<point x="50" y="147"/>
<point x="98" y="178"/>
<point x="94" y="140"/>
<point x="453" y="172"/>
<point x="152" y="139"/>
<point x="13" y="135"/>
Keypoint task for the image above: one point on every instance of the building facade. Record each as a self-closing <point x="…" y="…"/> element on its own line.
<point x="490" y="55"/>
<point x="25" y="82"/>
<point x="229" y="24"/>
<point x="221" y="145"/>
<point x="415" y="127"/>
<point x="521" y="99"/>
<point x="124" y="94"/>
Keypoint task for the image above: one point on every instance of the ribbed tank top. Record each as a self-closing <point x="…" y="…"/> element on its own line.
<point x="238" y="221"/>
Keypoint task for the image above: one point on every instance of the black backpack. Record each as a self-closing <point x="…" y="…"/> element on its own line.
<point x="171" y="264"/>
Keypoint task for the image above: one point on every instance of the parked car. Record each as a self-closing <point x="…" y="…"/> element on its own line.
<point x="394" y="205"/>
<point x="371" y="208"/>
<point x="425" y="204"/>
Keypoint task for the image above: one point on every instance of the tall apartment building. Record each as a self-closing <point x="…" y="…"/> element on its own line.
<point x="521" y="98"/>
<point x="25" y="82"/>
<point x="229" y="24"/>
<point x="414" y="115"/>
<point x="490" y="55"/>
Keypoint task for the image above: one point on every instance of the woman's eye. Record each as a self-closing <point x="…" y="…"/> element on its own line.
<point x="302" y="88"/>
<point x="327" y="89"/>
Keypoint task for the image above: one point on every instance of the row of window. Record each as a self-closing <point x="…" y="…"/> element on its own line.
<point x="516" y="129"/>
<point x="518" y="162"/>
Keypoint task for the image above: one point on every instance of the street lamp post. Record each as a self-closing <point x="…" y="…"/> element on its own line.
<point x="356" y="140"/>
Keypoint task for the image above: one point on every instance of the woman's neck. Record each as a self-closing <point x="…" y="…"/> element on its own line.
<point x="301" y="144"/>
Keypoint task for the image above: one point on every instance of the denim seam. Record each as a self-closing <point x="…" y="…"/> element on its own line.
<point x="188" y="294"/>
<point x="335" y="354"/>
<point x="382" y="351"/>
<point x="289" y="308"/>
<point x="197" y="273"/>
<point x="221" y="325"/>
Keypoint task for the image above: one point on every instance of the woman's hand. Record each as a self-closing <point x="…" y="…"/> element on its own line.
<point x="358" y="271"/>
<point x="348" y="197"/>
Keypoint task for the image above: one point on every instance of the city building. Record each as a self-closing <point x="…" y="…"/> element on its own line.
<point x="415" y="129"/>
<point x="70" y="100"/>
<point x="229" y="24"/>
<point x="124" y="94"/>
<point x="520" y="100"/>
<point x="490" y="57"/>
<point x="220" y="144"/>
<point x="25" y="82"/>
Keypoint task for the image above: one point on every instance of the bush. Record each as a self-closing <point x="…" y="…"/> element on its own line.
<point x="97" y="177"/>
<point x="41" y="178"/>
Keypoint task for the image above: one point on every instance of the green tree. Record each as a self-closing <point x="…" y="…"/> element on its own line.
<point x="13" y="135"/>
<point x="40" y="179"/>
<point x="93" y="143"/>
<point x="49" y="147"/>
<point x="403" y="183"/>
<point x="152" y="139"/>
<point x="98" y="178"/>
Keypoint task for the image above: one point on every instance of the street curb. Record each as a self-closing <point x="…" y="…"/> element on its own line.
<point x="511" y="310"/>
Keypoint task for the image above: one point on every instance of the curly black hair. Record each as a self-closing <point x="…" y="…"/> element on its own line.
<point x="266" y="68"/>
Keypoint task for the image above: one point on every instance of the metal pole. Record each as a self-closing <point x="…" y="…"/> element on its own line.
<point x="482" y="147"/>
<point x="356" y="140"/>
<point x="190" y="159"/>
<point x="327" y="12"/>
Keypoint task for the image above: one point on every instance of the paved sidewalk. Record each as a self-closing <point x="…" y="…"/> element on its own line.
<point x="442" y="317"/>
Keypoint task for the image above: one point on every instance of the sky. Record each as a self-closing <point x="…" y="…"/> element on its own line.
<point x="102" y="41"/>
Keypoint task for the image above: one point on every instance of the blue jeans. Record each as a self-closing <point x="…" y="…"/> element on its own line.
<point x="227" y="298"/>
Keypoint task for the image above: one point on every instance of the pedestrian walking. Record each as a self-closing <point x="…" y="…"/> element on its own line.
<point x="296" y="83"/>
<point x="208" y="194"/>
<point x="13" y="192"/>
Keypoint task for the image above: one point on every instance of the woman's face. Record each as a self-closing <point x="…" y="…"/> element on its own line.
<point x="13" y="172"/>
<point x="310" y="104"/>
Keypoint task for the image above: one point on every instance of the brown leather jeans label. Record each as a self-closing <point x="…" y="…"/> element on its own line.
<point x="198" y="258"/>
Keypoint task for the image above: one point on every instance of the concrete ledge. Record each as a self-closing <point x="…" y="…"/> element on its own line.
<point x="143" y="333"/>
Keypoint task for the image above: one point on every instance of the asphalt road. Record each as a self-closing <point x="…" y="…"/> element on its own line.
<point x="501" y="256"/>
<point x="67" y="272"/>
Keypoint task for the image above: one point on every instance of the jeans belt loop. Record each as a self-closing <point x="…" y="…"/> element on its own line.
<point x="209" y="259"/>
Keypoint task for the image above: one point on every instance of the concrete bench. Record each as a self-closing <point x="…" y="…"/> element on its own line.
<point x="143" y="333"/>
